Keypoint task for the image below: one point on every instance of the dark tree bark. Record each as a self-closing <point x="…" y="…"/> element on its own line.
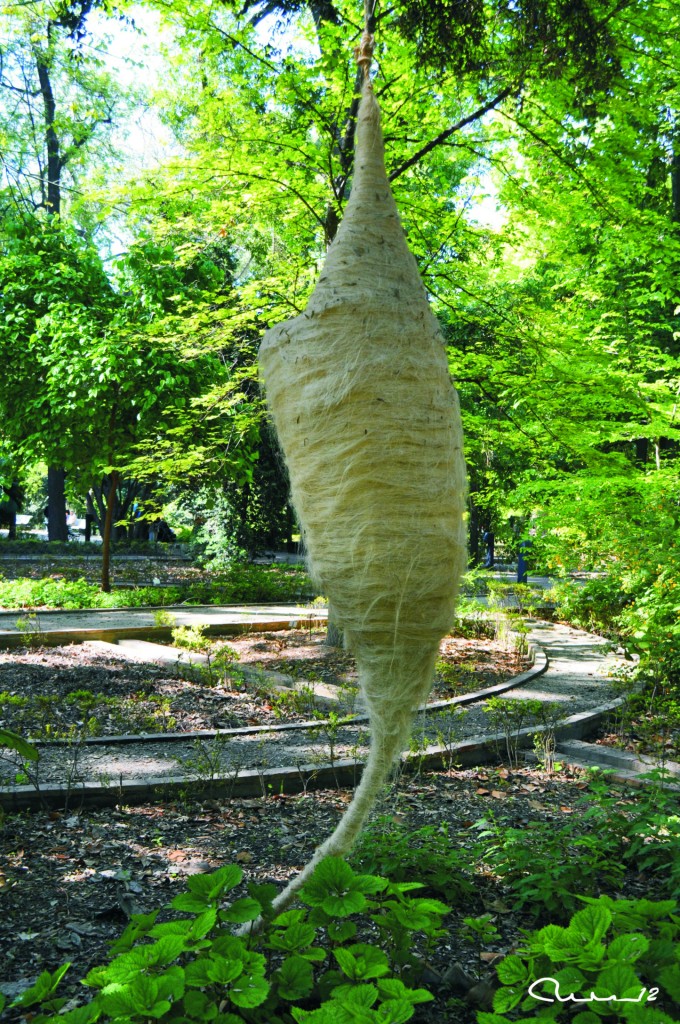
<point x="106" y="537"/>
<point x="51" y="192"/>
<point x="56" y="505"/>
<point x="51" y="188"/>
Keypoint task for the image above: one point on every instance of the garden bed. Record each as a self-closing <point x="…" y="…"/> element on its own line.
<point x="52" y="692"/>
<point x="70" y="882"/>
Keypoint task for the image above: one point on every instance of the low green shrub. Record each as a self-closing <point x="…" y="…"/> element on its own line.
<point x="547" y="867"/>
<point x="241" y="583"/>
<point x="428" y="854"/>
<point x="194" y="968"/>
<point x="616" y="959"/>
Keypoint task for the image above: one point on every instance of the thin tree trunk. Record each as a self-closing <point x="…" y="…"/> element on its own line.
<point x="56" y="505"/>
<point x="106" y="538"/>
<point x="334" y="635"/>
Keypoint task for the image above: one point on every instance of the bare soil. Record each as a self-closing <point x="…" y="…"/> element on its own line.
<point x="46" y="692"/>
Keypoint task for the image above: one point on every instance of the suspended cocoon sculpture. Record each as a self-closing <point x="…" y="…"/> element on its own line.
<point x="368" y="420"/>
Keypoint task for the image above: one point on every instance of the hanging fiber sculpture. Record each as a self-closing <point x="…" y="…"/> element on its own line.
<point x="367" y="417"/>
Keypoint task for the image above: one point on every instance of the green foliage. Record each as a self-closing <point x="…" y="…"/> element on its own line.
<point x="509" y="715"/>
<point x="623" y="948"/>
<point x="79" y="714"/>
<point x="12" y="741"/>
<point x="241" y="583"/>
<point x="428" y="854"/>
<point x="193" y="968"/>
<point x="547" y="866"/>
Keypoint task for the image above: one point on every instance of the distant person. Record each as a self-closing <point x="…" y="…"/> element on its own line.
<point x="489" y="539"/>
<point x="522" y="570"/>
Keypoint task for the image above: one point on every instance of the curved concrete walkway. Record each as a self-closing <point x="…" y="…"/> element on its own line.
<point x="577" y="678"/>
<point x="67" y="627"/>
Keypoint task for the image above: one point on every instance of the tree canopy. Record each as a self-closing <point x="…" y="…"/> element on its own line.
<point x="133" y="301"/>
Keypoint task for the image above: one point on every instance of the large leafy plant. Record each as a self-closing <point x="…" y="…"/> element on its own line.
<point x="194" y="968"/>
<point x="628" y="949"/>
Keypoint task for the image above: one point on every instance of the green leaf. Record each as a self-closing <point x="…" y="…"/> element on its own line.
<point x="190" y="904"/>
<point x="395" y="1011"/>
<point x="508" y="998"/>
<point x="166" y="949"/>
<point x="355" y="996"/>
<point x="628" y="947"/>
<point x="362" y="961"/>
<point x="590" y="924"/>
<point x="250" y="991"/>
<point x="222" y="971"/>
<point x="295" y="978"/>
<point x="341" y="931"/>
<point x="80" y="1015"/>
<point x="199" y="1006"/>
<point x="209" y="888"/>
<point x="512" y="971"/>
<point x="245" y="909"/>
<point x="619" y="980"/>
<point x="15" y="742"/>
<point x="394" y="988"/>
<point x="171" y="983"/>
<point x="669" y="978"/>
<point x="296" y="937"/>
<point x="43" y="987"/>
<point x="203" y="924"/>
<point x="196" y="973"/>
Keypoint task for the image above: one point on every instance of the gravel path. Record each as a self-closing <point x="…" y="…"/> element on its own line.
<point x="578" y="678"/>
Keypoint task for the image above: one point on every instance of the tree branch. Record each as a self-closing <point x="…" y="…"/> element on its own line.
<point x="448" y="132"/>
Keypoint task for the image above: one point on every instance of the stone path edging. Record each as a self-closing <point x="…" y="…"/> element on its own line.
<point x="621" y="766"/>
<point x="538" y="668"/>
<point x="272" y="781"/>
<point x="342" y="772"/>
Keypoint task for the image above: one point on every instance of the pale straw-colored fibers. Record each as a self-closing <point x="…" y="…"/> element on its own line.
<point x="359" y="391"/>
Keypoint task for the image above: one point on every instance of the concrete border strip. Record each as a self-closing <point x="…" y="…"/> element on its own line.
<point x="539" y="667"/>
<point x="266" y="782"/>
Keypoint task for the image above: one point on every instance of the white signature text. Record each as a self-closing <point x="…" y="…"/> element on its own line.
<point x="592" y="998"/>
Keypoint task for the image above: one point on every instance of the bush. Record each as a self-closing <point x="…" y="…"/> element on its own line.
<point x="194" y="968"/>
<point x="624" y="948"/>
<point x="241" y="583"/>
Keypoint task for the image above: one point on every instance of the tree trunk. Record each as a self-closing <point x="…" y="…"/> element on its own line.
<point x="106" y="537"/>
<point x="51" y="175"/>
<point x="56" y="505"/>
<point x="334" y="635"/>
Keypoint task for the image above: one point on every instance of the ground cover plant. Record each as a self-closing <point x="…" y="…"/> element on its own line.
<point x="71" y="882"/>
<point x="629" y="949"/>
<point x="240" y="583"/>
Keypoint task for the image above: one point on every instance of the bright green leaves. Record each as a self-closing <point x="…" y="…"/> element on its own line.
<point x="595" y="965"/>
<point x="15" y="742"/>
<point x="43" y="988"/>
<point x="143" y="996"/>
<point x="338" y="891"/>
<point x="206" y="890"/>
<point x="195" y="970"/>
<point x="512" y="971"/>
<point x="295" y="978"/>
<point x="361" y="962"/>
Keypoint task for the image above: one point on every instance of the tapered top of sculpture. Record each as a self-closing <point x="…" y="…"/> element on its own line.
<point x="369" y="258"/>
